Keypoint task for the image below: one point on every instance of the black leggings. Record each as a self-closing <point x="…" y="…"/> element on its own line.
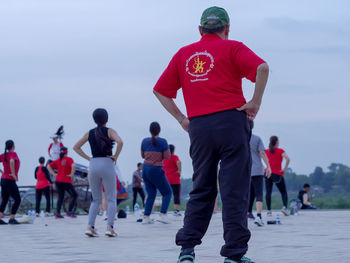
<point x="176" y="192"/>
<point x="139" y="190"/>
<point x="9" y="189"/>
<point x="281" y="185"/>
<point x="61" y="188"/>
<point x="256" y="191"/>
<point x="38" y="194"/>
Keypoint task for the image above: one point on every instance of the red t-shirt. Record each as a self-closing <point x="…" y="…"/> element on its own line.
<point x="275" y="160"/>
<point x="42" y="181"/>
<point x="64" y="168"/>
<point x="6" y="164"/>
<point x="210" y="74"/>
<point x="171" y="170"/>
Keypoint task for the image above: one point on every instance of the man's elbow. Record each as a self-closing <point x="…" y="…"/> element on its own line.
<point x="156" y="93"/>
<point x="75" y="148"/>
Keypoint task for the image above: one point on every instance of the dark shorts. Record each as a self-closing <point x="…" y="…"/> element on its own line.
<point x="176" y="192"/>
<point x="257" y="186"/>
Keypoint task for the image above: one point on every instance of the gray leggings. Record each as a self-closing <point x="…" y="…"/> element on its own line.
<point x="101" y="171"/>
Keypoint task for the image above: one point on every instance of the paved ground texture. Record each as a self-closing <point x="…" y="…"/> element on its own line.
<point x="316" y="236"/>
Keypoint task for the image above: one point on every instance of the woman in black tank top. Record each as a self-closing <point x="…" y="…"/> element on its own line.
<point x="94" y="139"/>
<point x="101" y="169"/>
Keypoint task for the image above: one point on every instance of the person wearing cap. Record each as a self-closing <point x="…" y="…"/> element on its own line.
<point x="210" y="73"/>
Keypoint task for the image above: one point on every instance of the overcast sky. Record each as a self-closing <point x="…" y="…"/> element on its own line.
<point x="60" y="59"/>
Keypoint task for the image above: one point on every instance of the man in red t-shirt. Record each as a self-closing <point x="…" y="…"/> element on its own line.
<point x="172" y="169"/>
<point x="210" y="73"/>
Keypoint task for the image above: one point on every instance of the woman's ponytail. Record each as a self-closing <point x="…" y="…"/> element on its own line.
<point x="104" y="142"/>
<point x="8" y="146"/>
<point x="63" y="152"/>
<point x="273" y="143"/>
<point x="154" y="129"/>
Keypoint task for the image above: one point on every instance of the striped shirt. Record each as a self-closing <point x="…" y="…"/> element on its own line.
<point x="154" y="155"/>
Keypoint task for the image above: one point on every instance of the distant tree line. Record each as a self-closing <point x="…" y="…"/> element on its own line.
<point x="335" y="179"/>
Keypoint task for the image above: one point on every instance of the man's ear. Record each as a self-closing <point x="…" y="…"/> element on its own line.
<point x="227" y="30"/>
<point x="200" y="30"/>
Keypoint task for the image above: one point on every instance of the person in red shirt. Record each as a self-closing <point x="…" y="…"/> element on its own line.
<point x="276" y="156"/>
<point x="172" y="169"/>
<point x="9" y="177"/>
<point x="64" y="183"/>
<point x="42" y="186"/>
<point x="210" y="74"/>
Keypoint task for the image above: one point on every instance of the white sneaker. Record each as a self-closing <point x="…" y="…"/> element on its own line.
<point x="110" y="232"/>
<point x="91" y="232"/>
<point x="285" y="211"/>
<point x="147" y="220"/>
<point x="269" y="213"/>
<point x="163" y="219"/>
<point x="177" y="213"/>
<point x="258" y="221"/>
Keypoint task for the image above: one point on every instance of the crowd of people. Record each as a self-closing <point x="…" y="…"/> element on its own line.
<point x="225" y="155"/>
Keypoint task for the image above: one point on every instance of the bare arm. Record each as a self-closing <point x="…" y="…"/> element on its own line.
<point x="79" y="144"/>
<point x="253" y="106"/>
<point x="13" y="170"/>
<point x="171" y="107"/>
<point x="306" y="200"/>
<point x="74" y="167"/>
<point x="112" y="134"/>
<point x="179" y="167"/>
<point x="285" y="156"/>
<point x="266" y="161"/>
<point x="166" y="154"/>
<point x="139" y="178"/>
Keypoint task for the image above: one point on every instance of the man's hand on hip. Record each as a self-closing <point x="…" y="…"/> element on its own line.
<point x="251" y="108"/>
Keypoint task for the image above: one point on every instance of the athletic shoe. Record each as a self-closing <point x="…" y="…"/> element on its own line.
<point x="110" y="232"/>
<point x="2" y="222"/>
<point x="13" y="221"/>
<point x="37" y="214"/>
<point x="147" y="220"/>
<point x="59" y="216"/>
<point x="251" y="216"/>
<point x="285" y="211"/>
<point x="177" y="213"/>
<point x="258" y="221"/>
<point x="186" y="256"/>
<point x="163" y="219"/>
<point x="47" y="214"/>
<point x="91" y="232"/>
<point x="71" y="215"/>
<point x="243" y="260"/>
<point x="269" y="213"/>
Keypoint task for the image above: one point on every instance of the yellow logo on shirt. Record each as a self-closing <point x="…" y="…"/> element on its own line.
<point x="199" y="64"/>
